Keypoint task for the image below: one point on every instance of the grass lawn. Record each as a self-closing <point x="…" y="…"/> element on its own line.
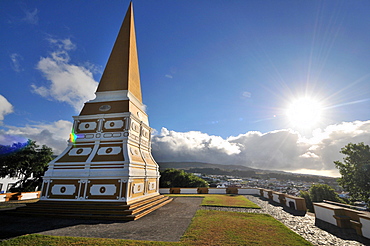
<point x="41" y="240"/>
<point x="223" y="200"/>
<point x="208" y="227"/>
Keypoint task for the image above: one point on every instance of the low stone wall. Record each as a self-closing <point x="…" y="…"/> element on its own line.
<point x="343" y="217"/>
<point x="164" y="190"/>
<point x="216" y="191"/>
<point x="189" y="191"/>
<point x="365" y="222"/>
<point x="19" y="196"/>
<point x="296" y="203"/>
<point x="30" y="195"/>
<point x="248" y="191"/>
<point x="276" y="196"/>
<point x="2" y="197"/>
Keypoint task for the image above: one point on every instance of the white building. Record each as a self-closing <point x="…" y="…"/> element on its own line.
<point x="7" y="183"/>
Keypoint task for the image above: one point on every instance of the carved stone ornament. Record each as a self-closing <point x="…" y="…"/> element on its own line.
<point x="105" y="108"/>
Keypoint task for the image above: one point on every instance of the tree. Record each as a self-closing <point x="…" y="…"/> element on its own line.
<point x="179" y="178"/>
<point x="307" y="198"/>
<point x="355" y="171"/>
<point x="319" y="193"/>
<point x="25" y="161"/>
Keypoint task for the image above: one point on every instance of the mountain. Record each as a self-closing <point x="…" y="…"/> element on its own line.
<point x="241" y="171"/>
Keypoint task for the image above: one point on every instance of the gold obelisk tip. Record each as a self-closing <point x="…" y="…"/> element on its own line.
<point x="122" y="69"/>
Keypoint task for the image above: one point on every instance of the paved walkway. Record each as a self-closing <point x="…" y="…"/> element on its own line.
<point x="167" y="223"/>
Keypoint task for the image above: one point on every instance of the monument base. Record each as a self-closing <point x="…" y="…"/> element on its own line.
<point x="94" y="210"/>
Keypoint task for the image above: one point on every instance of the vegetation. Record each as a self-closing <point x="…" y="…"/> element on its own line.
<point x="307" y="198"/>
<point x="355" y="171"/>
<point x="179" y="178"/>
<point x="25" y="161"/>
<point x="222" y="200"/>
<point x="319" y="193"/>
<point x="208" y="227"/>
<point x="41" y="240"/>
<point x="228" y="201"/>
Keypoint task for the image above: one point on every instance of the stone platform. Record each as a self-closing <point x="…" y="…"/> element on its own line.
<point x="94" y="210"/>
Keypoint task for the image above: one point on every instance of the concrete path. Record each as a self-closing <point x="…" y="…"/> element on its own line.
<point x="167" y="223"/>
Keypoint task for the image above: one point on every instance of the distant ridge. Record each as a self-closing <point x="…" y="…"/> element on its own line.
<point x="239" y="170"/>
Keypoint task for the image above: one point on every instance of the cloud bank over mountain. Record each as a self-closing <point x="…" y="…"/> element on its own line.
<point x="276" y="150"/>
<point x="284" y="150"/>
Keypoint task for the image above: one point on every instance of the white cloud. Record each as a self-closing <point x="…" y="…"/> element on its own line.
<point x="246" y="94"/>
<point x="69" y="83"/>
<point x="16" y="58"/>
<point x="191" y="146"/>
<point x="31" y="16"/>
<point x="283" y="150"/>
<point x="62" y="44"/>
<point x="54" y="135"/>
<point x="5" y="107"/>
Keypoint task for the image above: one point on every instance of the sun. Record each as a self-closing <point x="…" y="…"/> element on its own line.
<point x="304" y="112"/>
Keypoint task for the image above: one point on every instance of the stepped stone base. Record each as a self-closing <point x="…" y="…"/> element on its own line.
<point x="94" y="210"/>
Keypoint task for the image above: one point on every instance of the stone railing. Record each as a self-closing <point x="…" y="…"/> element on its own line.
<point x="19" y="196"/>
<point x="293" y="202"/>
<point x="343" y="217"/>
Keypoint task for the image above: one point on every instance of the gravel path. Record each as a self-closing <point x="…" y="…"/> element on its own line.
<point x="303" y="225"/>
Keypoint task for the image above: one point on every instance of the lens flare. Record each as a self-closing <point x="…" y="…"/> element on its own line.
<point x="304" y="112"/>
<point x="72" y="136"/>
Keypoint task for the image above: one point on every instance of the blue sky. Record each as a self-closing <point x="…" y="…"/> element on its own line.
<point x="217" y="76"/>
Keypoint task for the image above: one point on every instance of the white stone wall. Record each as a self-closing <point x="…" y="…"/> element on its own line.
<point x="29" y="195"/>
<point x="2" y="197"/>
<point x="365" y="226"/>
<point x="217" y="191"/>
<point x="287" y="200"/>
<point x="275" y="197"/>
<point x="164" y="190"/>
<point x="325" y="214"/>
<point x="188" y="190"/>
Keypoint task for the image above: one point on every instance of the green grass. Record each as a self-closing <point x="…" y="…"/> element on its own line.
<point x="208" y="227"/>
<point x="41" y="240"/>
<point x="222" y="200"/>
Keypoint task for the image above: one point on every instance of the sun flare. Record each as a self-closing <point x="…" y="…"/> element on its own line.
<point x="304" y="112"/>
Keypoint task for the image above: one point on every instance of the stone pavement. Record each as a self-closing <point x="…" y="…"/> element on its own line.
<point x="319" y="234"/>
<point x="167" y="223"/>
